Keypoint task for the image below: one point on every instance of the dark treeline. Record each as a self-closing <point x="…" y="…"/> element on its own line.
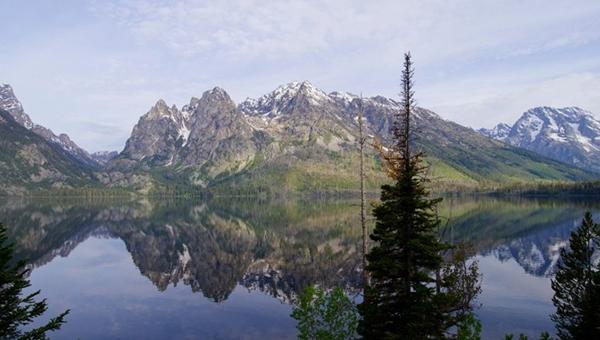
<point x="436" y="186"/>
<point x="555" y="189"/>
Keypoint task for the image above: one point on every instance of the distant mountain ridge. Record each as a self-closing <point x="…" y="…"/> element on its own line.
<point x="295" y="138"/>
<point x="30" y="162"/>
<point x="570" y="135"/>
<point x="498" y="132"/>
<point x="300" y="137"/>
<point x="102" y="157"/>
<point x="10" y="103"/>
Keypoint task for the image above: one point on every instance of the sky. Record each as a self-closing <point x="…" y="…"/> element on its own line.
<point x="91" y="68"/>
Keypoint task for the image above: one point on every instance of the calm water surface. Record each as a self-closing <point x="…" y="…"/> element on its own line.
<point x="229" y="268"/>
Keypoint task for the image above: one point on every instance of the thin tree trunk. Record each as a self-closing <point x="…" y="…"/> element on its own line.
<point x="363" y="222"/>
<point x="438" y="275"/>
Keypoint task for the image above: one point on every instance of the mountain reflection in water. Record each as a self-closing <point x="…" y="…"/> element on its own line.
<point x="252" y="257"/>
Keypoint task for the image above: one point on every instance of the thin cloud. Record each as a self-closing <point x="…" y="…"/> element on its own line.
<point x="478" y="62"/>
<point x="505" y="106"/>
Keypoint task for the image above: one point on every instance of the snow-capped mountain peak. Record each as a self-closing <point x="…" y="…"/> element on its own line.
<point x="102" y="157"/>
<point x="343" y="98"/>
<point x="294" y="88"/>
<point x="10" y="103"/>
<point x="276" y="102"/>
<point x="499" y="132"/>
<point x="570" y="134"/>
<point x="571" y="125"/>
<point x="217" y="94"/>
<point x="160" y="109"/>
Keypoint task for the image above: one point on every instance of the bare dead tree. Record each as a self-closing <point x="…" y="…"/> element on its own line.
<point x="400" y="158"/>
<point x="365" y="232"/>
<point x="402" y="130"/>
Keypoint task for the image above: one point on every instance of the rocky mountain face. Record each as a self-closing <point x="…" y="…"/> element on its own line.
<point x="299" y="137"/>
<point x="295" y="138"/>
<point x="207" y="137"/>
<point x="102" y="157"/>
<point x="29" y="161"/>
<point x="498" y="132"/>
<point x="570" y="135"/>
<point x="10" y="103"/>
<point x="220" y="140"/>
<point x="157" y="135"/>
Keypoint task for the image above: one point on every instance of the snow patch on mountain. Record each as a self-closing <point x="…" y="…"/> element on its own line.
<point x="499" y="132"/>
<point x="10" y="103"/>
<point x="534" y="126"/>
<point x="274" y="104"/>
<point x="570" y="135"/>
<point x="184" y="133"/>
<point x="102" y="157"/>
<point x="343" y="97"/>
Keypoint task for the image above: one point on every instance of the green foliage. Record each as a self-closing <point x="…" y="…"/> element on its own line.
<point x="459" y="282"/>
<point x="16" y="310"/>
<point x="554" y="188"/>
<point x="24" y="155"/>
<point x="469" y="328"/>
<point x="325" y="315"/>
<point x="414" y="293"/>
<point x="511" y="337"/>
<point x="577" y="285"/>
<point x="543" y="336"/>
<point x="400" y="299"/>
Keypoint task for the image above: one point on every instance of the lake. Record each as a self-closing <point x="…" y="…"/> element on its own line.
<point x="229" y="268"/>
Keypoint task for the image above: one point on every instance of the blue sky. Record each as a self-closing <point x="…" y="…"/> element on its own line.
<point x="90" y="68"/>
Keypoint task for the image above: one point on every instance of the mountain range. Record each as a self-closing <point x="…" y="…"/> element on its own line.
<point x="296" y="137"/>
<point x="570" y="135"/>
<point x="29" y="161"/>
<point x="10" y="103"/>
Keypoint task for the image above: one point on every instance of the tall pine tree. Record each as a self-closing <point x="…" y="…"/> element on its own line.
<point x="577" y="285"/>
<point x="400" y="301"/>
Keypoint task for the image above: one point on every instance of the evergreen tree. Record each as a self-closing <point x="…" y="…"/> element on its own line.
<point x="325" y="315"/>
<point x="577" y="285"/>
<point x="414" y="293"/>
<point x="16" y="310"/>
<point x="400" y="300"/>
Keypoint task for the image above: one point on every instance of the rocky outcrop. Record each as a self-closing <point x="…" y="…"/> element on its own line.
<point x="10" y="103"/>
<point x="30" y="162"/>
<point x="498" y="132"/>
<point x="155" y="138"/>
<point x="102" y="157"/>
